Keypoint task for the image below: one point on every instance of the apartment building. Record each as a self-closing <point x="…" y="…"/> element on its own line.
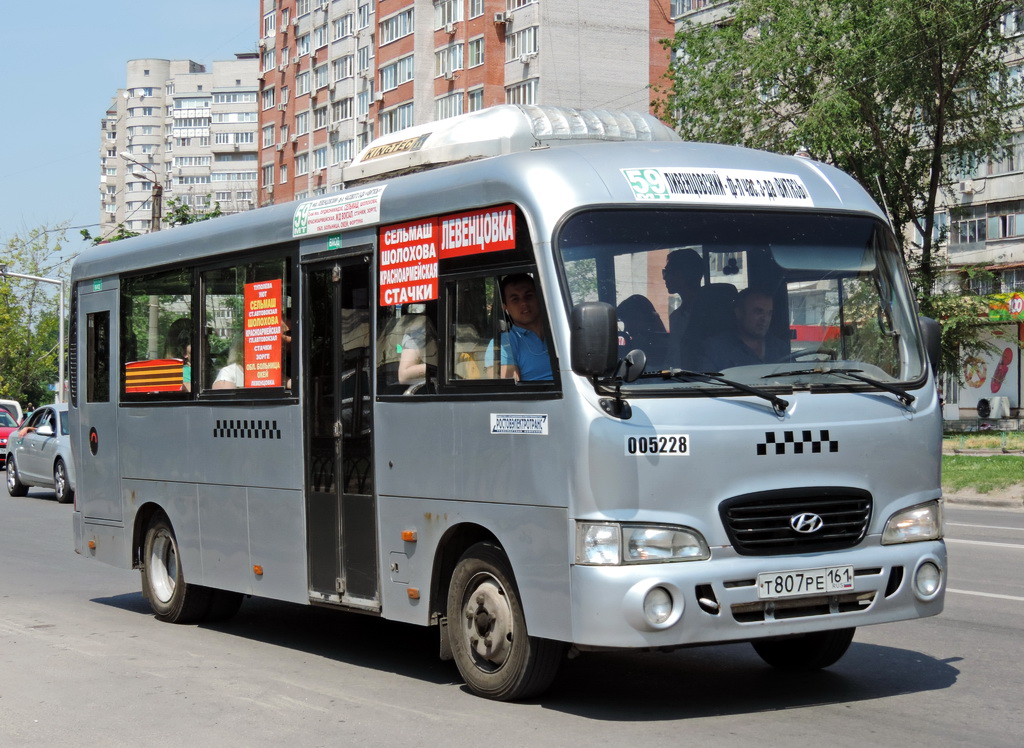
<point x="335" y="75"/>
<point x="179" y="130"/>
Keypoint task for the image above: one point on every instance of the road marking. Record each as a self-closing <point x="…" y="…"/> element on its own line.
<point x="986" y="594"/>
<point x="1019" y="546"/>
<point x="985" y="527"/>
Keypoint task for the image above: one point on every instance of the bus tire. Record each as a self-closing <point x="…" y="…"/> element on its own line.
<point x="14" y="485"/>
<point x="61" y="485"/>
<point x="170" y="596"/>
<point x="807" y="652"/>
<point x="490" y="644"/>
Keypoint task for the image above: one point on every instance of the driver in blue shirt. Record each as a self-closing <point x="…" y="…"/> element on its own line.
<point x="524" y="349"/>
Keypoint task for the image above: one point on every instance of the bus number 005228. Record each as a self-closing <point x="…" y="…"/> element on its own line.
<point x="658" y="444"/>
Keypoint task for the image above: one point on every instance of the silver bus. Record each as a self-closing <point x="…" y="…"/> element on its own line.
<point x="547" y="379"/>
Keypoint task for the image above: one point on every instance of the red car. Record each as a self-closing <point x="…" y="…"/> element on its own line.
<point x="7" y="425"/>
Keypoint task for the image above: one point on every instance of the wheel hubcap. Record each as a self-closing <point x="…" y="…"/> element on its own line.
<point x="163" y="567"/>
<point x="488" y="629"/>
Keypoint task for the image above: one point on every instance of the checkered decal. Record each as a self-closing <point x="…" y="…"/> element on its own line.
<point x="797" y="442"/>
<point x="246" y="430"/>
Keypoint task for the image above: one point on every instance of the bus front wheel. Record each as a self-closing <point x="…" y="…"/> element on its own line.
<point x="806" y="652"/>
<point x="170" y="596"/>
<point x="494" y="653"/>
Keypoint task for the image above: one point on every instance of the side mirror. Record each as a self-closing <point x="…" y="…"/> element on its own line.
<point x="45" y="430"/>
<point x="594" y="328"/>
<point x="932" y="332"/>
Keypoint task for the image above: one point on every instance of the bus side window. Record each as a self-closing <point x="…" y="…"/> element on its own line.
<point x="156" y="334"/>
<point x="474" y="326"/>
<point x="247" y="330"/>
<point x="407" y="349"/>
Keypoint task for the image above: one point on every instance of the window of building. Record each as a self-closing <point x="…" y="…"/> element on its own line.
<point x="341" y="152"/>
<point x="283" y="173"/>
<point x="967" y="228"/>
<point x="363" y="15"/>
<point x="521" y="43"/>
<point x="522" y="93"/>
<point x="399" y="72"/>
<point x="320" y="37"/>
<point x="448" y="59"/>
<point x="364" y="58"/>
<point x="1012" y="280"/>
<point x="475" y="52"/>
<point x="302" y="81"/>
<point x="268" y="98"/>
<point x="301" y="164"/>
<point x="397" y="118"/>
<point x="341" y="110"/>
<point x="302" y="45"/>
<point x="320" y="76"/>
<point x="302" y="123"/>
<point x="396" y="27"/>
<point x="320" y="158"/>
<point x="476" y="8"/>
<point x="344" y="67"/>
<point x="269" y="23"/>
<point x="269" y="59"/>
<point x="320" y="117"/>
<point x="513" y="4"/>
<point x="302" y="7"/>
<point x="267" y="175"/>
<point x="239" y="97"/>
<point x="447" y="11"/>
<point x="342" y="26"/>
<point x="448" y="106"/>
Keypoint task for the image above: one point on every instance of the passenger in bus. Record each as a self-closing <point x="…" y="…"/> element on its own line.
<point x="749" y="342"/>
<point x="683" y="272"/>
<point x="179" y="346"/>
<point x="232" y="375"/>
<point x="419" y="348"/>
<point x="524" y="349"/>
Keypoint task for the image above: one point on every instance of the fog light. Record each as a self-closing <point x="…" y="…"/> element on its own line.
<point x="657" y="605"/>
<point x="927" y="580"/>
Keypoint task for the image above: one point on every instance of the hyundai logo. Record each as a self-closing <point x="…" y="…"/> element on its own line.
<point x="806" y="523"/>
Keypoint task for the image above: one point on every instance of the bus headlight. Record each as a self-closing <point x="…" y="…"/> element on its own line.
<point x="611" y="543"/>
<point x="921" y="522"/>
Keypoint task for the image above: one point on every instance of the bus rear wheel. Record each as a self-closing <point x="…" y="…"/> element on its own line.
<point x="494" y="653"/>
<point x="170" y="596"/>
<point x="806" y="652"/>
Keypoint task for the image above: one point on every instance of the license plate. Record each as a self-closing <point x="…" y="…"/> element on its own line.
<point x="775" y="584"/>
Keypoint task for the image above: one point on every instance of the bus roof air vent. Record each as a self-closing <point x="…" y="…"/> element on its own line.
<point x="497" y="130"/>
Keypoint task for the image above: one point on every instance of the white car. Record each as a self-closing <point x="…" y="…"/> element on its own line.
<point x="39" y="454"/>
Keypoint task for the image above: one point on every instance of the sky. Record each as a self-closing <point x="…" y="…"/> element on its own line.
<point x="68" y="60"/>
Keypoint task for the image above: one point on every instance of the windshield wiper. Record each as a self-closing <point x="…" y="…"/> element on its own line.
<point x="777" y="402"/>
<point x="905" y="397"/>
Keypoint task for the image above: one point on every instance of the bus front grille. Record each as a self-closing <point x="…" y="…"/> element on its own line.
<point x="772" y="523"/>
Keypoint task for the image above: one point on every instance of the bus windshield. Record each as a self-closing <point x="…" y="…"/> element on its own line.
<point x="765" y="298"/>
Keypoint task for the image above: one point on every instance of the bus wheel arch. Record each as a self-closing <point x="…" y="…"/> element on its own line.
<point x="487" y="631"/>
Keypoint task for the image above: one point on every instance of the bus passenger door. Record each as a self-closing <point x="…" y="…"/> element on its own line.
<point x="96" y="457"/>
<point x="340" y="503"/>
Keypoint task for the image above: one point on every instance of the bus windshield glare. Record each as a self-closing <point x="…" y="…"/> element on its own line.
<point x="767" y="298"/>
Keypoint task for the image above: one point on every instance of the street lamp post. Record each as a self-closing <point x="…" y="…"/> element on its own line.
<point x="156" y="198"/>
<point x="60" y="326"/>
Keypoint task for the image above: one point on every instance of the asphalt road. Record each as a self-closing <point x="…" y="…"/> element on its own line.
<point x="83" y="662"/>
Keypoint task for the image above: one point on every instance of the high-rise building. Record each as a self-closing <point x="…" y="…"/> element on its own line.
<point x="177" y="130"/>
<point x="334" y="75"/>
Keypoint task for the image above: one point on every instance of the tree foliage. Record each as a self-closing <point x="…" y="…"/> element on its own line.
<point x="899" y="94"/>
<point x="29" y="314"/>
<point x="178" y="213"/>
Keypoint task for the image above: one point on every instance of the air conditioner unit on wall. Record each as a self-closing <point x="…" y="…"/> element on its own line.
<point x="449" y="28"/>
<point x="503" y="17"/>
<point x="449" y="75"/>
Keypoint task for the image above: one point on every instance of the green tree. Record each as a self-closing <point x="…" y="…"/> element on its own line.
<point x="179" y="213"/>
<point x="899" y="94"/>
<point x="28" y="314"/>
